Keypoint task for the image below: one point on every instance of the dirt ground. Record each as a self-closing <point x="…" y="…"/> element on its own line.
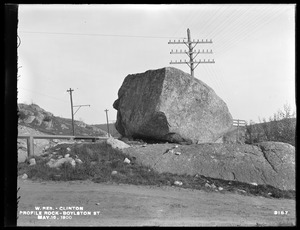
<point x="131" y="205"/>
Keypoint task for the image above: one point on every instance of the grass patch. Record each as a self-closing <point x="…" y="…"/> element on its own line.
<point x="99" y="160"/>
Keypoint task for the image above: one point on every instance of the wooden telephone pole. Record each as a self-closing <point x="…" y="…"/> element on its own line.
<point x="107" y="121"/>
<point x="72" y="113"/>
<point x="191" y="45"/>
<point x="71" y="90"/>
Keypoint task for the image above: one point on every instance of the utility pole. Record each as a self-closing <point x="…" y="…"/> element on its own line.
<point x="73" y="127"/>
<point x="71" y="90"/>
<point x="191" y="45"/>
<point x="107" y="121"/>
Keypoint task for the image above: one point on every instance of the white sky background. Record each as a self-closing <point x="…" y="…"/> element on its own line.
<point x="92" y="48"/>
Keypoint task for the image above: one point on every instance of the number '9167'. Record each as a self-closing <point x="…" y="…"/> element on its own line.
<point x="281" y="212"/>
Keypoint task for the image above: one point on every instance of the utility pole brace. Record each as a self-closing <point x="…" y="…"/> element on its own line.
<point x="190" y="52"/>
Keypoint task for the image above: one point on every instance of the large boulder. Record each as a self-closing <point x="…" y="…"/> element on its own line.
<point x="169" y="105"/>
<point x="270" y="163"/>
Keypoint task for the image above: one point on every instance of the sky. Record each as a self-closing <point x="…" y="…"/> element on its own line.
<point x="92" y="48"/>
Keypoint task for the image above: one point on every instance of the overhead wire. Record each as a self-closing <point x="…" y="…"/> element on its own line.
<point x="226" y="23"/>
<point x="259" y="26"/>
<point x="95" y="34"/>
<point x="220" y="12"/>
<point x="184" y="23"/>
<point x="213" y="70"/>
<point x="241" y="32"/>
<point x="232" y="29"/>
<point x="249" y="28"/>
<point x="33" y="91"/>
<point x="232" y="17"/>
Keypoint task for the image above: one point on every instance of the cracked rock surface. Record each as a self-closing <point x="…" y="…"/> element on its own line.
<point x="271" y="163"/>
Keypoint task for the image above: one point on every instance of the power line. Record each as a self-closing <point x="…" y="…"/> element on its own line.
<point x="185" y="22"/>
<point x="101" y="35"/>
<point x="257" y="26"/>
<point x="43" y="95"/>
<point x="249" y="27"/>
<point x="212" y="20"/>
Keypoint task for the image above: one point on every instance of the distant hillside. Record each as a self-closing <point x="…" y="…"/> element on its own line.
<point x="35" y="117"/>
<point x="112" y="129"/>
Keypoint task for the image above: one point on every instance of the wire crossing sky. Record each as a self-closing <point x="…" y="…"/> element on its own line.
<point x="92" y="48"/>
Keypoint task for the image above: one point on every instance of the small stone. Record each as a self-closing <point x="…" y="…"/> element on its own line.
<point x="269" y="194"/>
<point x="255" y="184"/>
<point x="68" y="149"/>
<point x="178" y="183"/>
<point x="32" y="162"/>
<point x="127" y="161"/>
<point x="241" y="190"/>
<point x="177" y="153"/>
<point x="213" y="186"/>
<point x="77" y="160"/>
<point x="207" y="185"/>
<point x="67" y="155"/>
<point x="25" y="176"/>
<point x="97" y="203"/>
<point x="73" y="163"/>
<point x="114" y="172"/>
<point x="176" y="146"/>
<point x="220" y="188"/>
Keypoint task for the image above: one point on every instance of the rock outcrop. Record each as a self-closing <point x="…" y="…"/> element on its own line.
<point x="169" y="105"/>
<point x="116" y="144"/>
<point x="35" y="117"/>
<point x="271" y="163"/>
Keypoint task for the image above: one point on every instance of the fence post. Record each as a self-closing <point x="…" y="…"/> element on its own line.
<point x="30" y="146"/>
<point x="238" y="134"/>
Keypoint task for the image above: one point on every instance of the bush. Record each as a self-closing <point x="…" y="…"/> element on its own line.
<point x="281" y="128"/>
<point x="47" y="119"/>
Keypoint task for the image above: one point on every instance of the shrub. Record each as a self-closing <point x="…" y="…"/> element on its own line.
<point x="281" y="127"/>
<point x="47" y="119"/>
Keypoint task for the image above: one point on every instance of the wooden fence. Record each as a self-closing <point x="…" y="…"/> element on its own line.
<point x="30" y="140"/>
<point x="239" y="123"/>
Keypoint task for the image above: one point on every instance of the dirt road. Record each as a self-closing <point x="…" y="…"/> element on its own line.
<point x="130" y="205"/>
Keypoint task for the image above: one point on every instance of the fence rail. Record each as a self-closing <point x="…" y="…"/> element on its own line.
<point x="30" y="140"/>
<point x="237" y="122"/>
